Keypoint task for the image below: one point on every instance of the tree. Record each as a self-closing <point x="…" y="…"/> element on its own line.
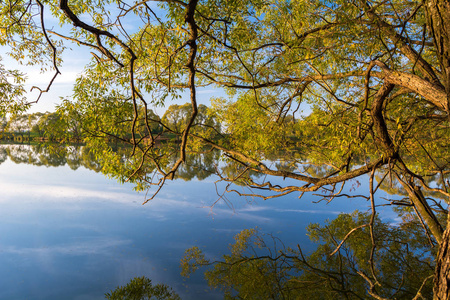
<point x="141" y="288"/>
<point x="3" y="124"/>
<point x="152" y="119"/>
<point x="34" y="123"/>
<point x="373" y="79"/>
<point x="177" y="117"/>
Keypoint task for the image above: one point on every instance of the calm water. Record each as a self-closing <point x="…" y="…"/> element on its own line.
<point x="68" y="234"/>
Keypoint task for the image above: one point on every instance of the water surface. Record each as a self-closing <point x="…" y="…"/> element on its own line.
<point x="75" y="234"/>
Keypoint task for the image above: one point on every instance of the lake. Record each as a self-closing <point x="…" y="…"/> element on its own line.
<point x="75" y="234"/>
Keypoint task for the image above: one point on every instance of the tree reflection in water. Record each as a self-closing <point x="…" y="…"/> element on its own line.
<point x="345" y="265"/>
<point x="141" y="288"/>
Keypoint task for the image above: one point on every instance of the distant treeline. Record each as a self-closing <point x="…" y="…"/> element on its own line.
<point x="38" y="127"/>
<point x="64" y="126"/>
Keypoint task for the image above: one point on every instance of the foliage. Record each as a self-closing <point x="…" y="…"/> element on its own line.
<point x="12" y="92"/>
<point x="141" y="288"/>
<point x="177" y="116"/>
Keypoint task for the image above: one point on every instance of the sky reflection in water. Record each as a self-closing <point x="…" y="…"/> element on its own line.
<point x="68" y="234"/>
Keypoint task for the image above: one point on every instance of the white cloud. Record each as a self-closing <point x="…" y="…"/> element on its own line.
<point x="210" y="91"/>
<point x="36" y="78"/>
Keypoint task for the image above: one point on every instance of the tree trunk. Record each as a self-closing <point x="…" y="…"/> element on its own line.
<point x="438" y="21"/>
<point x="442" y="272"/>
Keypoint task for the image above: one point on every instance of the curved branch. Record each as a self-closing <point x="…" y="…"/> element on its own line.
<point x="95" y="31"/>
<point x="432" y="92"/>
<point x="346" y="237"/>
<point x="192" y="42"/>
<point x="57" y="72"/>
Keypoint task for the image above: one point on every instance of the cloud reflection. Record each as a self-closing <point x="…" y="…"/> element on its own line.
<point x="95" y="246"/>
<point x="255" y="208"/>
<point x="51" y="192"/>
